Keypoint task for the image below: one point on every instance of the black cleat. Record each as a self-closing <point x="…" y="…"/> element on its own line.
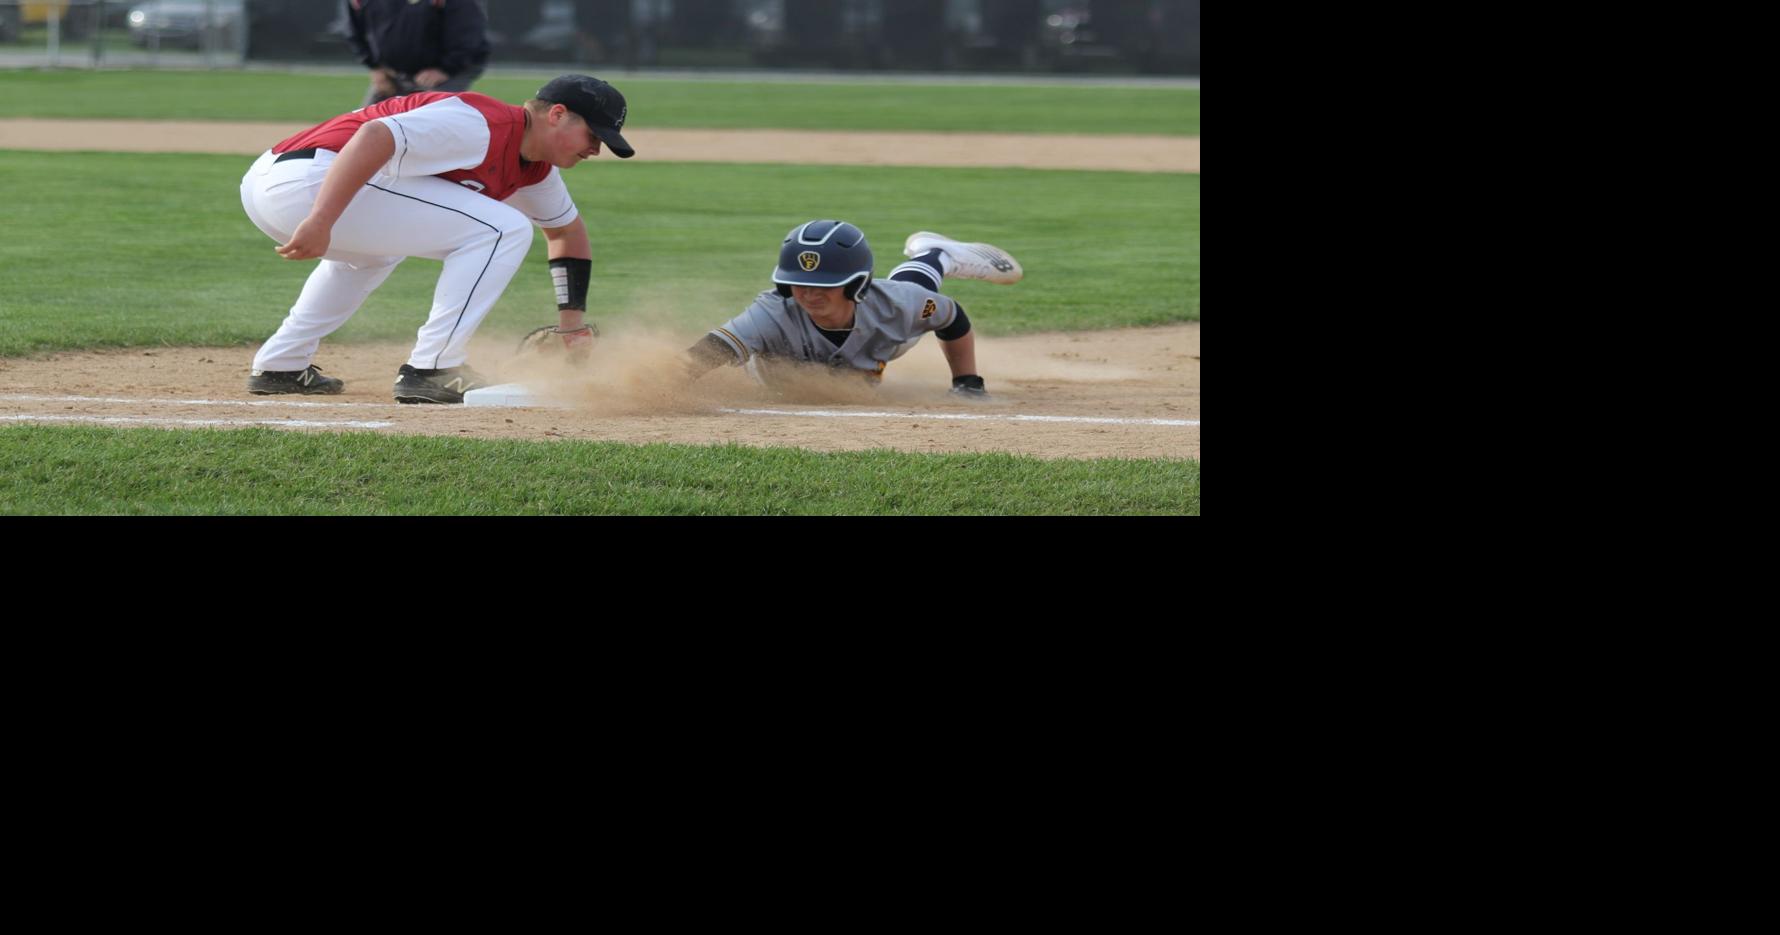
<point x="436" y="386"/>
<point x="307" y="380"/>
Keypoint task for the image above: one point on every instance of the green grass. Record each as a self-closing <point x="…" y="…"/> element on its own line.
<point x="112" y="250"/>
<point x="654" y="102"/>
<point x="54" y="470"/>
<point x="124" y="250"/>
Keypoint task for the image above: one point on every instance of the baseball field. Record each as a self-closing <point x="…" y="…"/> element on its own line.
<point x="133" y="292"/>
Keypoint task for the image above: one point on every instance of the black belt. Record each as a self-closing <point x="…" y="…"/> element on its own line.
<point x="296" y="154"/>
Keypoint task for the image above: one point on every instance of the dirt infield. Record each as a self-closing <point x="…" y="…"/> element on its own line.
<point x="995" y="150"/>
<point x="1130" y="393"/>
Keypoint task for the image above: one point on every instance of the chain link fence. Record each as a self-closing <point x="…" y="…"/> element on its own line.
<point x="1159" y="37"/>
<point x="95" y="33"/>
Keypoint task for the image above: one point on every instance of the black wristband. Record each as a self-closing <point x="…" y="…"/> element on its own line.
<point x="571" y="275"/>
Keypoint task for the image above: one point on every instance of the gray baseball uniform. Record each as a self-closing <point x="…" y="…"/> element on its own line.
<point x="886" y="323"/>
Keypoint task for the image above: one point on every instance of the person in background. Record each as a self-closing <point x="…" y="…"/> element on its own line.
<point x="418" y="45"/>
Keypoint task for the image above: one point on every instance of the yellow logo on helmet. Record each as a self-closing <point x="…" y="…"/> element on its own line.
<point x="810" y="260"/>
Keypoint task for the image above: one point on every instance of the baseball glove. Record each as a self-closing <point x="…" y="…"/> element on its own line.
<point x="551" y="343"/>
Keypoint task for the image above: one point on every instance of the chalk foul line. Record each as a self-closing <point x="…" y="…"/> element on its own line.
<point x="135" y="420"/>
<point x="806" y="413"/>
<point x="832" y="414"/>
<point x="193" y="402"/>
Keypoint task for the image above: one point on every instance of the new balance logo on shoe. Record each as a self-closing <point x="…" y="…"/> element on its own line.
<point x="435" y="386"/>
<point x="307" y="381"/>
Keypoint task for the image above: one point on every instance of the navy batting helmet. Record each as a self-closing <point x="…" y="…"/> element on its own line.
<point x="825" y="253"/>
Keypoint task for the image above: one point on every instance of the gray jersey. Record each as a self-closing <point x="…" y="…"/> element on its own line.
<point x="886" y="323"/>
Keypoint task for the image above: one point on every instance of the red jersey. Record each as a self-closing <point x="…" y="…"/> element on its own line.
<point x="460" y="136"/>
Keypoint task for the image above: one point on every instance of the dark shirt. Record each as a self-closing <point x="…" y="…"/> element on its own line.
<point x="407" y="38"/>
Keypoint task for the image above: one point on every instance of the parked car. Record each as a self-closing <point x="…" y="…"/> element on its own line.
<point x="183" y="22"/>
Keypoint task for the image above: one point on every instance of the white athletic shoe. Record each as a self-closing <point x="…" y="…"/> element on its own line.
<point x="974" y="260"/>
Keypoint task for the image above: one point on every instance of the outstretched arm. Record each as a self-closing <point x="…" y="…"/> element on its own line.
<point x="959" y="343"/>
<point x="961" y="355"/>
<point x="707" y="355"/>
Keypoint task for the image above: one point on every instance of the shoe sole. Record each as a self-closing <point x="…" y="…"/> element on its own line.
<point x="986" y="255"/>
<point x="908" y="249"/>
<point x="412" y="399"/>
<point x="298" y="392"/>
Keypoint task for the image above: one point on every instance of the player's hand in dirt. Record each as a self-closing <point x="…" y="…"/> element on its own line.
<point x="969" y="386"/>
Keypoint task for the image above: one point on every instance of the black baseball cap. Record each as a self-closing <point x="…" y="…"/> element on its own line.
<point x="596" y="102"/>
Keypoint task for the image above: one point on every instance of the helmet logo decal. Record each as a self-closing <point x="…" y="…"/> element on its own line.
<point x="809" y="259"/>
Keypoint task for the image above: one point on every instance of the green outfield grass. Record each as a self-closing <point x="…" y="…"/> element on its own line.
<point x="654" y="102"/>
<point x="108" y="249"/>
<point x="76" y="470"/>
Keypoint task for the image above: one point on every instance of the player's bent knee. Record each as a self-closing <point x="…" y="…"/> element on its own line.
<point x="515" y="234"/>
<point x="508" y="241"/>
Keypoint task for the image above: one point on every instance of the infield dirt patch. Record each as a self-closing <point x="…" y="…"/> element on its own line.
<point x="1132" y="378"/>
<point x="628" y="393"/>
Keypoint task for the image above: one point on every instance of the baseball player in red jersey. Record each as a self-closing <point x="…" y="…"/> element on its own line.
<point x="458" y="177"/>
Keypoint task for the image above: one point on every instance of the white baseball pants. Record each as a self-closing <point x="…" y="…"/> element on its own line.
<point x="480" y="240"/>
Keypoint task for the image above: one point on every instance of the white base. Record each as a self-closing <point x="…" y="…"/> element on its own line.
<point x="506" y="394"/>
